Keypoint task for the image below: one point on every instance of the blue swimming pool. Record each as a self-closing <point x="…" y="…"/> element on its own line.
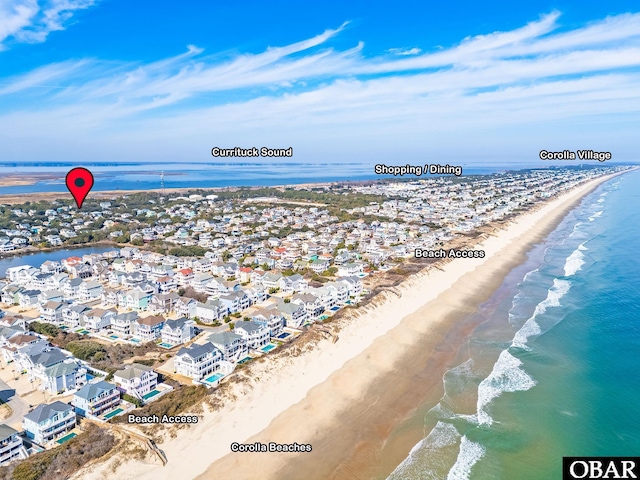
<point x="151" y="394"/>
<point x="268" y="348"/>
<point x="284" y="335"/>
<point x="165" y="345"/>
<point x="66" y="438"/>
<point x="113" y="414"/>
<point x="214" y="378"/>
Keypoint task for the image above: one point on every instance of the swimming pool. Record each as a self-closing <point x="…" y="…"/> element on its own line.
<point x="151" y="394"/>
<point x="245" y="360"/>
<point x="324" y="317"/>
<point x="113" y="414"/>
<point x="214" y="378"/>
<point x="115" y="337"/>
<point x="284" y="335"/>
<point x="165" y="345"/>
<point x="268" y="348"/>
<point x="66" y="438"/>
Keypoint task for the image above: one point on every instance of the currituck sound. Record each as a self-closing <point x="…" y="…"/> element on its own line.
<point x="252" y="152"/>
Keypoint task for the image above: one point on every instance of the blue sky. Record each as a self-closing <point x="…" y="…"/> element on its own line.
<point x="457" y="82"/>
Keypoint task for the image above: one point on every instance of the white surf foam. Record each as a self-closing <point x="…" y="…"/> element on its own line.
<point x="470" y="453"/>
<point x="506" y="376"/>
<point x="574" y="262"/>
<point x="576" y="230"/>
<point x="531" y="327"/>
<point x="441" y="436"/>
<point x="595" y="215"/>
<point x="528" y="275"/>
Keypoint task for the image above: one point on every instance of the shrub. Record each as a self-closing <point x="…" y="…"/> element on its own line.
<point x="86" y="349"/>
<point x="44" y="329"/>
<point x="131" y="399"/>
<point x="65" y="460"/>
<point x="172" y="403"/>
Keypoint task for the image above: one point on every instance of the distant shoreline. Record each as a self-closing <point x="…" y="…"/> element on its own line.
<point x="14" y="179"/>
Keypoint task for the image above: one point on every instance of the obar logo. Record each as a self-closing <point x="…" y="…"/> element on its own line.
<point x="600" y="467"/>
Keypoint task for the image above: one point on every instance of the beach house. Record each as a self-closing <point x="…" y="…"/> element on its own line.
<point x="272" y="319"/>
<point x="136" y="380"/>
<point x="96" y="398"/>
<point x="232" y="345"/>
<point x="11" y="447"/>
<point x="255" y="334"/>
<point x="148" y="328"/>
<point x="176" y="332"/>
<point x="64" y="376"/>
<point x="51" y="312"/>
<point x="47" y="422"/>
<point x="97" y="318"/>
<point x="198" y="361"/>
<point x="122" y="322"/>
<point x="294" y="314"/>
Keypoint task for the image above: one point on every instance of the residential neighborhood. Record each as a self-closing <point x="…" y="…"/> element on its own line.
<point x="208" y="283"/>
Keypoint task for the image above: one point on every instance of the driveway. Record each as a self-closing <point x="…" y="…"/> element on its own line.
<point x="19" y="408"/>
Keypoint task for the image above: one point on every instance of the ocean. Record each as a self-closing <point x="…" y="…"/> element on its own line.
<point x="552" y="368"/>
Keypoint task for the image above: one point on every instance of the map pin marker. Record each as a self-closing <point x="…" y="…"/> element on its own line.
<point x="79" y="181"/>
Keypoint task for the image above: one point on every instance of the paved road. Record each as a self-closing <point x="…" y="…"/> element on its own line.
<point x="19" y="408"/>
<point x="222" y="328"/>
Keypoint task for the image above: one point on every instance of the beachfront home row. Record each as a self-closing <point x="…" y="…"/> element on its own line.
<point x="45" y="423"/>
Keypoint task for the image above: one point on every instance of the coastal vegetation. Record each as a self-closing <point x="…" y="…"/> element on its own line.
<point x="179" y="400"/>
<point x="65" y="460"/>
<point x="98" y="355"/>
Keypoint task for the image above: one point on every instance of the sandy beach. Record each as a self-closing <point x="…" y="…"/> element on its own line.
<point x="344" y="398"/>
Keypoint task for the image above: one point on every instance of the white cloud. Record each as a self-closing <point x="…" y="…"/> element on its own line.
<point x="404" y="51"/>
<point x="534" y="82"/>
<point x="30" y="21"/>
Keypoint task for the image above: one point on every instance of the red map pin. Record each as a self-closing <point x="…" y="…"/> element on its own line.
<point x="79" y="181"/>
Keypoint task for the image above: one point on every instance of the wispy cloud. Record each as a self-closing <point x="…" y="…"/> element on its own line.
<point x="30" y="21"/>
<point x="404" y="51"/>
<point x="308" y="94"/>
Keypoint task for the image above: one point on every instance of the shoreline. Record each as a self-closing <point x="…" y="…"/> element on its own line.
<point x="296" y="398"/>
<point x="31" y="250"/>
